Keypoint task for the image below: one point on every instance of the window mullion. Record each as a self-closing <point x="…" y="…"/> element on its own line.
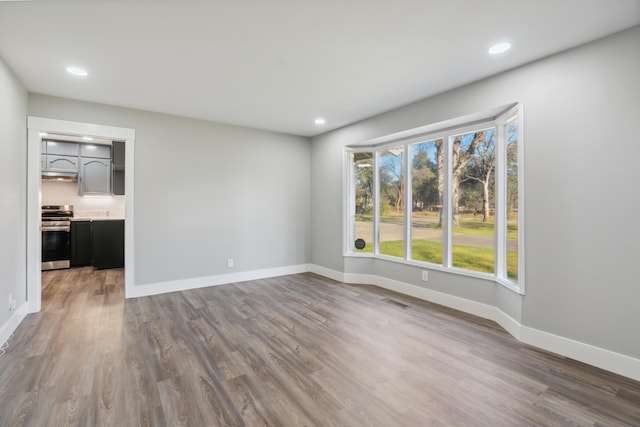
<point x="350" y="190"/>
<point x="447" y="224"/>
<point x="376" y="203"/>
<point x="501" y="204"/>
<point x="408" y="197"/>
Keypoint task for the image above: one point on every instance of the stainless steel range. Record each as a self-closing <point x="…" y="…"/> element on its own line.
<point x="56" y="236"/>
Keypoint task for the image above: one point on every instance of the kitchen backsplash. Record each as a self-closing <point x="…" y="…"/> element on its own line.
<point x="66" y="193"/>
<point x="98" y="213"/>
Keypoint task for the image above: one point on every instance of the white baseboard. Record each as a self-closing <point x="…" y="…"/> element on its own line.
<point x="12" y="323"/>
<point x="592" y="355"/>
<point x="203" y="282"/>
<point x="329" y="273"/>
<point x="587" y="353"/>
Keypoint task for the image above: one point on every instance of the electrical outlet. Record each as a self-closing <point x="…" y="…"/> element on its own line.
<point x="425" y="276"/>
<point x="230" y="263"/>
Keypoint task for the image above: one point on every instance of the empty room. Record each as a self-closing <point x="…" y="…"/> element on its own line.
<point x="287" y="213"/>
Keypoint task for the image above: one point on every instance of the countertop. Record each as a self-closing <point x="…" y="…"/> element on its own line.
<point x="97" y="218"/>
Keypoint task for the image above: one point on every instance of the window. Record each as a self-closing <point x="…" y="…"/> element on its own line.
<point x="426" y="201"/>
<point x="391" y="184"/>
<point x="473" y="200"/>
<point x="448" y="199"/>
<point x="512" y="198"/>
<point x="362" y="210"/>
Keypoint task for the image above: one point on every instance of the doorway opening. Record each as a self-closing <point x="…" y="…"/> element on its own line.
<point x="38" y="129"/>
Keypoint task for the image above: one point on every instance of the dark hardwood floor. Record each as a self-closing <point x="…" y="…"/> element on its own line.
<point x="290" y="351"/>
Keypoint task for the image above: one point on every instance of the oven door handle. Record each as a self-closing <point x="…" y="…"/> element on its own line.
<point x="58" y="228"/>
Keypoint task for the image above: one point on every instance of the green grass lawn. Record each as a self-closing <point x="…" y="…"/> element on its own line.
<point x="484" y="228"/>
<point x="466" y="257"/>
<point x="467" y="226"/>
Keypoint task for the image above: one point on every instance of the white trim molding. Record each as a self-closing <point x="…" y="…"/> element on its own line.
<point x="206" y="281"/>
<point x="567" y="347"/>
<point x="12" y="323"/>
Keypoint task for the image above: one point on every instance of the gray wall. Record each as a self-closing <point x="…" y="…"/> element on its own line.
<point x="205" y="192"/>
<point x="13" y="190"/>
<point x="581" y="109"/>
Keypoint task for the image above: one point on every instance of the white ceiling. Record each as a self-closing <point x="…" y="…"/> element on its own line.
<point x="278" y="64"/>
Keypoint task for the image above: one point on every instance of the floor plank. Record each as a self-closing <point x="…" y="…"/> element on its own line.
<point x="287" y="351"/>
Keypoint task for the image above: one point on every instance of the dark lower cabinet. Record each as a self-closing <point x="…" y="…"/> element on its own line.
<point x="80" y="243"/>
<point x="108" y="244"/>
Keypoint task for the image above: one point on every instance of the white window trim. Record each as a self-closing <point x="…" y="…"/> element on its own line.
<point x="408" y="197"/>
<point x="494" y="119"/>
<point x="519" y="110"/>
<point x="376" y="202"/>
<point x="500" y="151"/>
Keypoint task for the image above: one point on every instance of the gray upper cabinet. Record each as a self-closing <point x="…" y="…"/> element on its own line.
<point x="118" y="168"/>
<point x="61" y="148"/>
<point x="61" y="163"/>
<point x="59" y="156"/>
<point x="95" y="151"/>
<point x="92" y="163"/>
<point x="118" y="155"/>
<point x="95" y="176"/>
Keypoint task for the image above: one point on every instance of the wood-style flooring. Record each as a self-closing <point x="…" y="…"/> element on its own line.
<point x="297" y="350"/>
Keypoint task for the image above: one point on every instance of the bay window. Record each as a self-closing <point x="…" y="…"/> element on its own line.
<point x="448" y="198"/>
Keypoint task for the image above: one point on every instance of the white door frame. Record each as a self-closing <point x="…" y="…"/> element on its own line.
<point x="35" y="126"/>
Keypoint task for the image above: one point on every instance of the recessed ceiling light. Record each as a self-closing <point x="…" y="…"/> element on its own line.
<point x="499" y="48"/>
<point x="76" y="71"/>
<point x="320" y="121"/>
